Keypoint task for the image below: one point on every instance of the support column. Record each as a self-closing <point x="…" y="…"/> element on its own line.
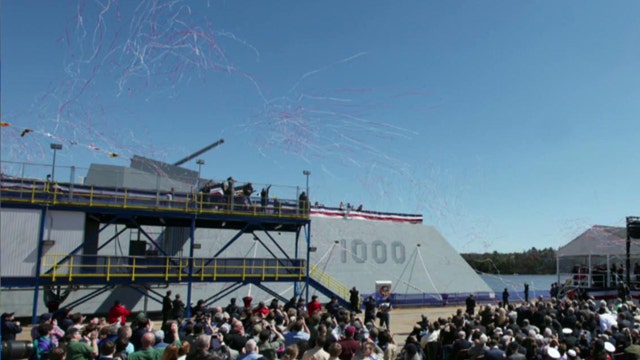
<point x="308" y="234"/>
<point x="36" y="291"/>
<point x="190" y="281"/>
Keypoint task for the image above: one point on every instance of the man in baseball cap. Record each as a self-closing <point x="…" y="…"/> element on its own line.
<point x="10" y="327"/>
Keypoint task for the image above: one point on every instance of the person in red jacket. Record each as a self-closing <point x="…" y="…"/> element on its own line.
<point x="314" y="305"/>
<point x="118" y="313"/>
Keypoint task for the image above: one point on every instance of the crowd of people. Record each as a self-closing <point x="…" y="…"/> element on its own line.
<point x="247" y="331"/>
<point x="569" y="329"/>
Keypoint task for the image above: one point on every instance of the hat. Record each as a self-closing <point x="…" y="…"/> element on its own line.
<point x="45" y="317"/>
<point x="571" y="353"/>
<point x="553" y="353"/>
<point x="497" y="330"/>
<point x="603" y="303"/>
<point x="609" y="347"/>
<point x="7" y="315"/>
<point x="567" y="331"/>
<point x="141" y="317"/>
<point x="350" y="331"/>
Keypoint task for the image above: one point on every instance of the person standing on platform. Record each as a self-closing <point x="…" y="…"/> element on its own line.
<point x="264" y="198"/>
<point x="526" y="292"/>
<point x="303" y="202"/>
<point x="230" y="192"/>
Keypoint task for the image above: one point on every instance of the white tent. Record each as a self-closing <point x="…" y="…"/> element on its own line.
<point x="600" y="247"/>
<point x="600" y="240"/>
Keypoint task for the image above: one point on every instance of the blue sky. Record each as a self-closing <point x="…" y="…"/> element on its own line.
<point x="506" y="124"/>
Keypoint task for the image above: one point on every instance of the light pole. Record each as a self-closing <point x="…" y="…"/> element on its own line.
<point x="54" y="147"/>
<point x="200" y="162"/>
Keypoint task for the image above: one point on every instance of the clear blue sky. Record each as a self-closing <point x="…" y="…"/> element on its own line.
<point x="507" y="124"/>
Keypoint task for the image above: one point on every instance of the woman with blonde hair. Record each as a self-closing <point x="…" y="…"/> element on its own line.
<point x="184" y="350"/>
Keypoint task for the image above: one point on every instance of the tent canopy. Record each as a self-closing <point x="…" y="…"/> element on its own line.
<point x="600" y="240"/>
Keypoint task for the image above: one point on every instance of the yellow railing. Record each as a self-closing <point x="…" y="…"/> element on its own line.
<point x="329" y="282"/>
<point x="67" y="268"/>
<point x="37" y="192"/>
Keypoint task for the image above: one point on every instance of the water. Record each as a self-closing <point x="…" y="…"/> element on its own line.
<point x="538" y="285"/>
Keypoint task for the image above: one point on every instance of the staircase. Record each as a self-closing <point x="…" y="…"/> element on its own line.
<point x="329" y="286"/>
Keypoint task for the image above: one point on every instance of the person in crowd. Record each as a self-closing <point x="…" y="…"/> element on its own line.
<point x="82" y="347"/>
<point x="43" y="344"/>
<point x="296" y="331"/>
<point x="107" y="350"/>
<point x="317" y="352"/>
<point x="118" y="313"/>
<point x="250" y="351"/>
<point x="202" y="345"/>
<point x="171" y="352"/>
<point x="314" y="306"/>
<point x="367" y="351"/>
<point x="10" y="327"/>
<point x="350" y="346"/>
<point x="233" y="309"/>
<point x="270" y="340"/>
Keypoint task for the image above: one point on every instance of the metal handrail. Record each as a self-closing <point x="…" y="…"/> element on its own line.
<point x="167" y="268"/>
<point x="329" y="282"/>
<point x="46" y="193"/>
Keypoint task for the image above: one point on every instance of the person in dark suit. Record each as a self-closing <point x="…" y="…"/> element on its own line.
<point x="513" y="352"/>
<point x="264" y="197"/>
<point x="470" y="303"/>
<point x="10" y="327"/>
<point x="494" y="352"/>
<point x="460" y="345"/>
<point x="167" y="307"/>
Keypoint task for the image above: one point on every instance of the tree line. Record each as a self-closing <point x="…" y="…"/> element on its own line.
<point x="532" y="261"/>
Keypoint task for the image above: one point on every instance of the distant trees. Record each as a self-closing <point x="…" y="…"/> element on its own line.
<point x="532" y="261"/>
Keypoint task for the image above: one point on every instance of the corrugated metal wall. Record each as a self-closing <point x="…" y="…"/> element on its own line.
<point x="19" y="238"/>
